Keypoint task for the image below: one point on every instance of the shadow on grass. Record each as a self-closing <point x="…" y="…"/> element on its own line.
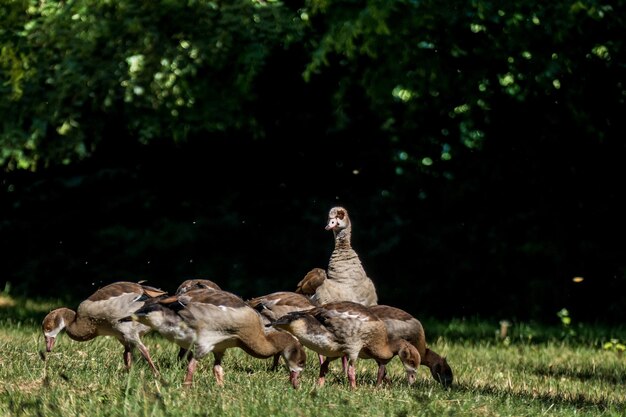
<point x="587" y="374"/>
<point x="579" y="401"/>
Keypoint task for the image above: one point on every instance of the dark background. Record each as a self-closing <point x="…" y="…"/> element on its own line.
<point x="520" y="192"/>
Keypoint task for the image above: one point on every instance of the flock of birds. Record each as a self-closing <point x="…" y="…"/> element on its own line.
<point x="334" y="312"/>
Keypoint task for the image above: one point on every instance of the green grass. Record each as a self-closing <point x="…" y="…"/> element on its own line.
<point x="537" y="371"/>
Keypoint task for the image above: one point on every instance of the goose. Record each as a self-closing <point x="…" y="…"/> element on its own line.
<point x="207" y="320"/>
<point x="192" y="284"/>
<point x="99" y="315"/>
<point x="277" y="304"/>
<point x="345" y="279"/>
<point x="351" y="329"/>
<point x="401" y="324"/>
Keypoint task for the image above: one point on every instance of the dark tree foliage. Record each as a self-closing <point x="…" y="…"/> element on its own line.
<point x="478" y="146"/>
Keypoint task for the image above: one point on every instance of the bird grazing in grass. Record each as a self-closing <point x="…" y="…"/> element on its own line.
<point x="100" y="314"/>
<point x="208" y="321"/>
<point x="401" y="324"/>
<point x="346" y="328"/>
<point x="277" y="304"/>
<point x="194" y="284"/>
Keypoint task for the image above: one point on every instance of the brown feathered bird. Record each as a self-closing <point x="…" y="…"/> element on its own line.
<point x="345" y="278"/>
<point x="212" y="321"/>
<point x="349" y="329"/>
<point x="194" y="284"/>
<point x="100" y="314"/>
<point x="277" y="304"/>
<point x="401" y="324"/>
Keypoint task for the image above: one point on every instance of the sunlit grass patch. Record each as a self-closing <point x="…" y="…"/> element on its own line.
<point x="521" y="378"/>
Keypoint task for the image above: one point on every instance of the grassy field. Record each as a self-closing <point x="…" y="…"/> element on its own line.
<point x="536" y="370"/>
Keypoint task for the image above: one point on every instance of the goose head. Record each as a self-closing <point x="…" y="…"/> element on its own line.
<point x="53" y="324"/>
<point x="410" y="358"/>
<point x="295" y="358"/>
<point x="338" y="219"/>
<point x="442" y="372"/>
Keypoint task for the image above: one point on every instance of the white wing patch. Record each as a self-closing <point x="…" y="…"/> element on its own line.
<point x="349" y="315"/>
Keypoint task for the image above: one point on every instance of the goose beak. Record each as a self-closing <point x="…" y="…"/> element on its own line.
<point x="293" y="378"/>
<point x="332" y="223"/>
<point x="49" y="343"/>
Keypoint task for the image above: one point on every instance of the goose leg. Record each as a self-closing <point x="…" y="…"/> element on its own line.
<point x="218" y="371"/>
<point x="275" y="362"/>
<point x="381" y="374"/>
<point x="181" y="353"/>
<point x="352" y="373"/>
<point x="191" y="367"/>
<point x="144" y="352"/>
<point x="128" y="356"/>
<point x="323" y="371"/>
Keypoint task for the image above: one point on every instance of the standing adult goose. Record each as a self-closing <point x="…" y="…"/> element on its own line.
<point x="100" y="314"/>
<point x="208" y="321"/>
<point x="401" y="324"/>
<point x="345" y="278"/>
<point x="347" y="328"/>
